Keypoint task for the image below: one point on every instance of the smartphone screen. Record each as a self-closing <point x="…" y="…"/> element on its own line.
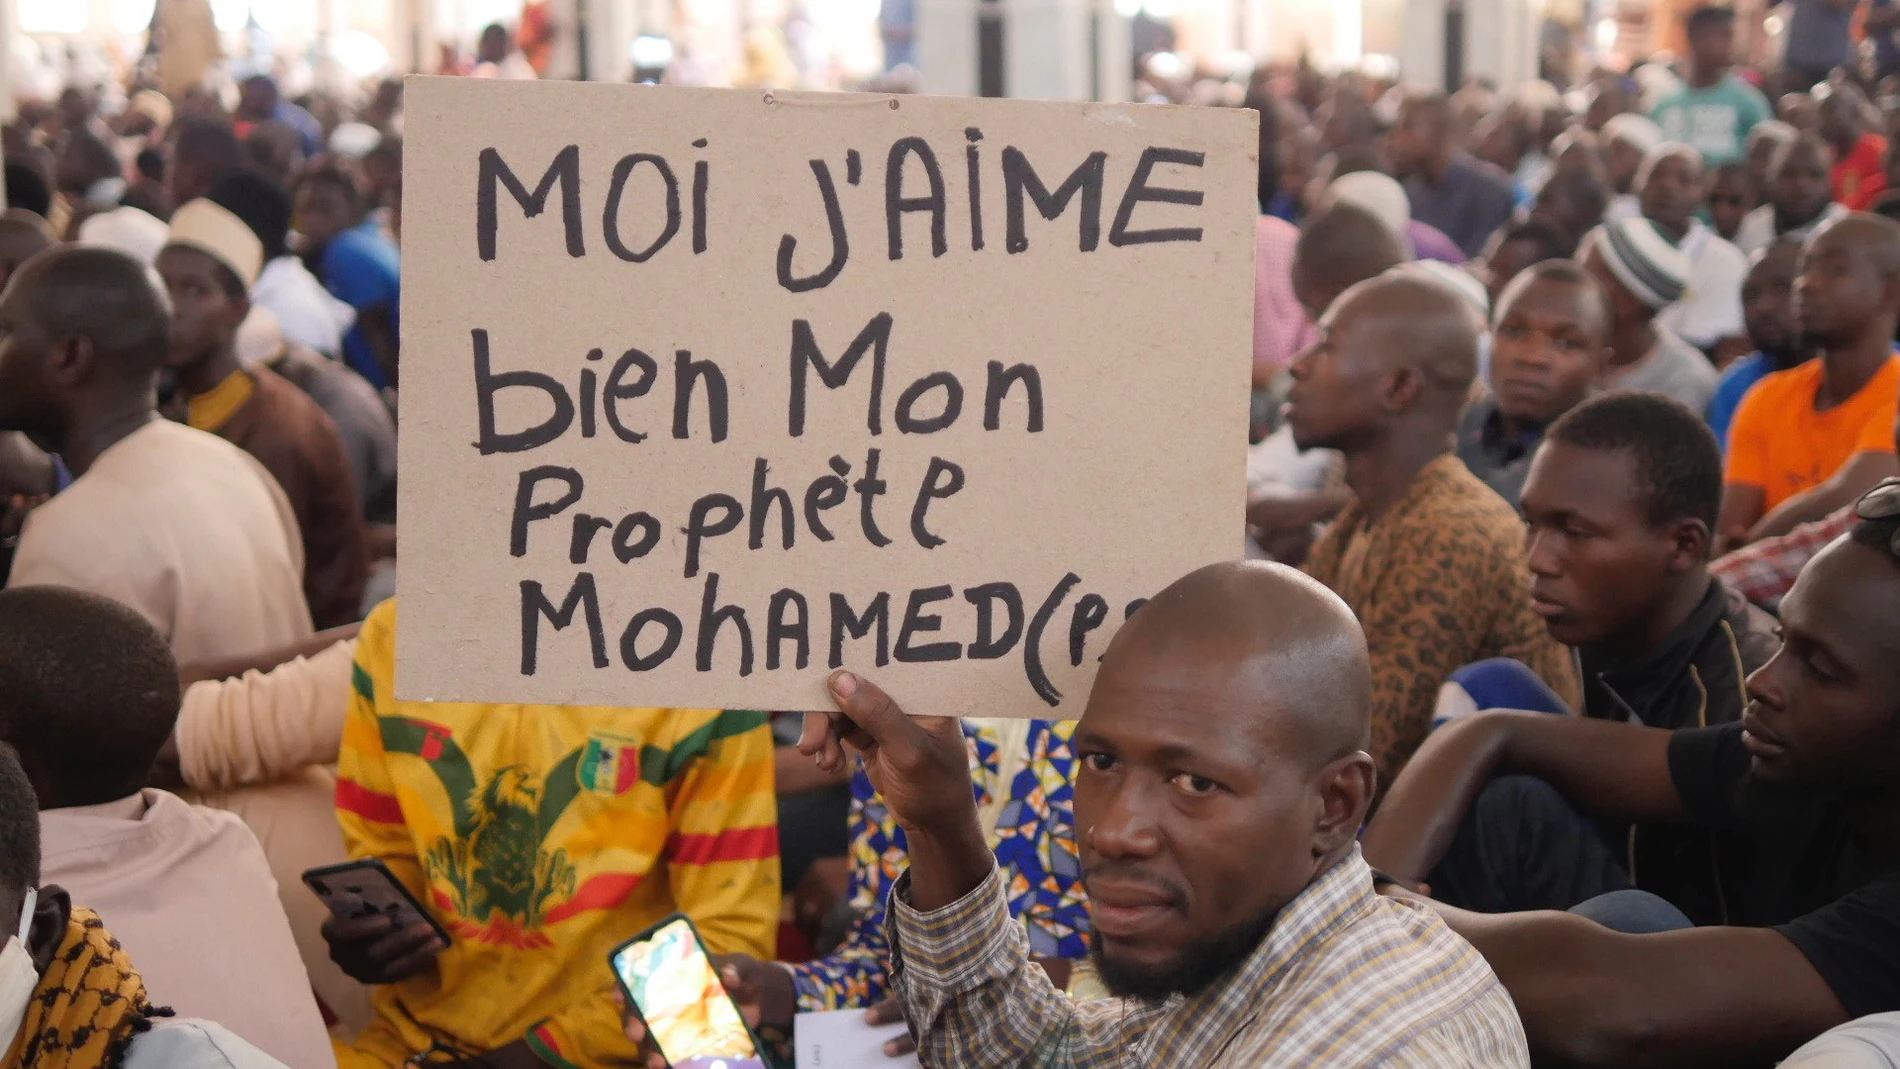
<point x="674" y="986"/>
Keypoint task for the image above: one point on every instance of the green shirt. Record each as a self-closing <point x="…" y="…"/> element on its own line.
<point x="1713" y="121"/>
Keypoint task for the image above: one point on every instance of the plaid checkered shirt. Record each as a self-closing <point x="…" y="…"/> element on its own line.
<point x="1763" y="572"/>
<point x="1346" y="978"/>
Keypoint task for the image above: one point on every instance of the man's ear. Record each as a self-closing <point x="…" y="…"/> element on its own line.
<point x="69" y="361"/>
<point x="1400" y="390"/>
<point x="1345" y="794"/>
<point x="51" y="915"/>
<point x="1690" y="543"/>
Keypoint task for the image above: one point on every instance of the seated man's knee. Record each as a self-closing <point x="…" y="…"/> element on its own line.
<point x="1633" y="913"/>
<point x="1497" y="683"/>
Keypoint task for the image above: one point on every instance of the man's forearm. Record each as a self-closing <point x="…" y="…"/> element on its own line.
<point x="1861" y="473"/>
<point x="1428" y="801"/>
<point x="265" y="660"/>
<point x="1547" y="961"/>
<point x="947" y="864"/>
<point x="1806" y="507"/>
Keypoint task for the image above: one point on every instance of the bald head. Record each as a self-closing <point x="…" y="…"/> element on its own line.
<point x="1394" y="362"/>
<point x="99" y="294"/>
<point x="20" y="240"/>
<point x="1874" y="238"/>
<point x="1340" y="246"/>
<point x="1291" y="653"/>
<point x="1417" y="324"/>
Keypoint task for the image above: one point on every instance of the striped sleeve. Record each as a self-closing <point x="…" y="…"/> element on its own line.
<point x="371" y="817"/>
<point x="722" y="853"/>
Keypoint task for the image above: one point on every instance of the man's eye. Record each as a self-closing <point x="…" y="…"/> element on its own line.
<point x="1193" y="784"/>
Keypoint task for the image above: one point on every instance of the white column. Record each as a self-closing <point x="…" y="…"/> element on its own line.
<point x="1422" y="50"/>
<point x="564" y="60"/>
<point x="8" y="27"/>
<point x="1257" y="27"/>
<point x="1046" y="50"/>
<point x="946" y="47"/>
<point x="611" y="26"/>
<point x="1114" y="59"/>
<point x="1501" y="39"/>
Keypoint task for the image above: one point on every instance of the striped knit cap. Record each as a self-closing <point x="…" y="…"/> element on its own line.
<point x="1647" y="264"/>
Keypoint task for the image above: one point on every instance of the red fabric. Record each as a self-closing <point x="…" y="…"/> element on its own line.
<point x="1861" y="176"/>
<point x="732" y="844"/>
<point x="353" y="797"/>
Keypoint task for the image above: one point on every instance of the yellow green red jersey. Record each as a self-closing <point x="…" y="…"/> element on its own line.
<point x="541" y="837"/>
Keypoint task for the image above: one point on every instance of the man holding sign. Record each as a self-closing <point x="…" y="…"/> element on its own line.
<point x="1224" y="777"/>
<point x="798" y="380"/>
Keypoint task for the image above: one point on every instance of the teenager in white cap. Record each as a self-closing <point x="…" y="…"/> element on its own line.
<point x="1671" y="188"/>
<point x="209" y="263"/>
<point x="1642" y="273"/>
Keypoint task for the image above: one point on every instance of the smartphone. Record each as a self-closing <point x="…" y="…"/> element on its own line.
<point x="366" y="888"/>
<point x="669" y="978"/>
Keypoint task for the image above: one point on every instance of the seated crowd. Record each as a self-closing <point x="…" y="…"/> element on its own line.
<point x="1546" y="715"/>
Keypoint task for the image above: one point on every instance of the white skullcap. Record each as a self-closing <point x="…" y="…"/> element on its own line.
<point x="260" y="337"/>
<point x="1648" y="264"/>
<point x="1379" y="195"/>
<point x="354" y="140"/>
<point x="1773" y="130"/>
<point x="136" y="233"/>
<point x="213" y="230"/>
<point x="1634" y="130"/>
<point x="1454" y="278"/>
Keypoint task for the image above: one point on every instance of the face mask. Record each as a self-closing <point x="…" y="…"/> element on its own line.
<point x="18" y="976"/>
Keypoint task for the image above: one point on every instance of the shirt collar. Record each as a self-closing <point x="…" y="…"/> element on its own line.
<point x="1639" y="684"/>
<point x="1503" y="444"/>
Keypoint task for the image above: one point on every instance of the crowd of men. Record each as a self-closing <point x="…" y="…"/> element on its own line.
<point x="1549" y="712"/>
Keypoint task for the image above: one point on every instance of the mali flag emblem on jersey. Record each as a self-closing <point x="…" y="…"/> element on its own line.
<point x="609" y="767"/>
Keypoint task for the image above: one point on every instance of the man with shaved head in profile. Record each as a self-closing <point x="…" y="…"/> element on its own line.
<point x="178" y="524"/>
<point x="1223" y="780"/>
<point x="1427" y="555"/>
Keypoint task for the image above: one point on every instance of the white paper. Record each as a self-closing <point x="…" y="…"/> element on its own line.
<point x="839" y="1039"/>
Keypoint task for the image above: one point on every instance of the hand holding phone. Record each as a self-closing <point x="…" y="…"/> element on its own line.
<point x="669" y="979"/>
<point x="378" y="933"/>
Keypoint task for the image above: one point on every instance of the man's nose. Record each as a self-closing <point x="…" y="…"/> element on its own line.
<point x="1124" y="826"/>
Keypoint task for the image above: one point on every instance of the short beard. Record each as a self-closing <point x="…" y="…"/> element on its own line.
<point x="1195" y="966"/>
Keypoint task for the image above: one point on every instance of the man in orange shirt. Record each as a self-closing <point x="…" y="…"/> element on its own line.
<point x="1811" y="439"/>
<point x="1860" y="168"/>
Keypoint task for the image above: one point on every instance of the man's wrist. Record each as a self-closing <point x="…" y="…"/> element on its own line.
<point x="947" y="863"/>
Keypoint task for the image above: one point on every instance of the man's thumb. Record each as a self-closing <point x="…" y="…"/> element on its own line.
<point x="738" y="982"/>
<point x="866" y="705"/>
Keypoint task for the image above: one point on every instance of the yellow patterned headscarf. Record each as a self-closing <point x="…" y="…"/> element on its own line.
<point x="89" y="1005"/>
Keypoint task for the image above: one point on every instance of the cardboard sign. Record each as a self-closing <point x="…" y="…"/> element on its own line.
<point x="705" y="392"/>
